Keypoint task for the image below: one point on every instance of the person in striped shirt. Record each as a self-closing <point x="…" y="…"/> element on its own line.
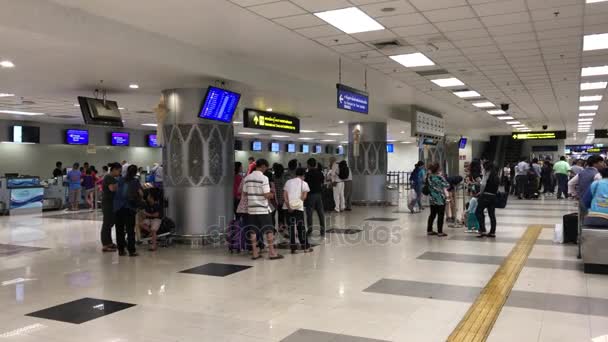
<point x="259" y="222"/>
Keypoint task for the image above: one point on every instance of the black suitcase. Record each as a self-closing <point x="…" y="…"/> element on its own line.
<point x="328" y="199"/>
<point x="571" y="228"/>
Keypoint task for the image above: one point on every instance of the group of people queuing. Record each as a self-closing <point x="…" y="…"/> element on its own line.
<point x="122" y="199"/>
<point x="270" y="200"/>
<point x="529" y="178"/>
<point x="482" y="183"/>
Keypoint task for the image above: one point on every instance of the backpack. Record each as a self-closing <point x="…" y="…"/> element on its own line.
<point x="343" y="171"/>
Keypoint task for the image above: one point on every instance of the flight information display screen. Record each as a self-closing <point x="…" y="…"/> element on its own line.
<point x="120" y="139"/>
<point x="152" y="140"/>
<point x="219" y="105"/>
<point x="77" y="137"/>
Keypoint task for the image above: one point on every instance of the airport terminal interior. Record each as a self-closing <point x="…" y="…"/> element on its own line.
<point x="304" y="170"/>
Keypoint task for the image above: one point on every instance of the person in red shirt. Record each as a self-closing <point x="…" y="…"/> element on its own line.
<point x="252" y="166"/>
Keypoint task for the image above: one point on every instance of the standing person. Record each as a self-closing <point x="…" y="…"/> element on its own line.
<point x="251" y="167"/>
<point x="314" y="201"/>
<point x="236" y="186"/>
<point x="109" y="187"/>
<point x="521" y="177"/>
<point x="577" y="167"/>
<point x="437" y="197"/>
<point x="258" y="192"/>
<point x="279" y="184"/>
<point x="157" y="175"/>
<point x="562" y="169"/>
<point x="88" y="183"/>
<point x="292" y="166"/>
<point x="417" y="180"/>
<point x="125" y="166"/>
<point x="295" y="193"/>
<point x="338" y="184"/>
<point x="506" y="177"/>
<point x="104" y="171"/>
<point x="58" y="171"/>
<point x="579" y="184"/>
<point x="547" y="177"/>
<point x="348" y="187"/>
<point x="487" y="200"/>
<point x="534" y="179"/>
<point x="127" y="198"/>
<point x="74" y="178"/>
<point x="595" y="201"/>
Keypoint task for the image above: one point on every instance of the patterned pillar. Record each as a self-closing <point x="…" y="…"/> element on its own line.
<point x="198" y="158"/>
<point x="368" y="161"/>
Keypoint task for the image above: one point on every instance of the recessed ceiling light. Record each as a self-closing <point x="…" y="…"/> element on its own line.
<point x="595" y="1"/>
<point x="504" y="117"/>
<point x="269" y="109"/>
<point x="150" y="124"/>
<point x="304" y="138"/>
<point x="595" y="42"/>
<point x="391" y="140"/>
<point x="76" y="105"/>
<point x="350" y="20"/>
<point x="591" y="98"/>
<point x="513" y="122"/>
<point x="237" y="122"/>
<point x="402" y="132"/>
<point x="280" y="136"/>
<point x="448" y="82"/>
<point x="343" y="142"/>
<point x="307" y="131"/>
<point x="586" y="114"/>
<point x="17" y="112"/>
<point x="413" y="60"/>
<point x="593" y="85"/>
<point x="484" y="104"/>
<point x="406" y="142"/>
<point x="340" y="122"/>
<point x="334" y="134"/>
<point x="121" y="108"/>
<point x="497" y="112"/>
<point x="585" y="119"/>
<point x="524" y="130"/>
<point x="519" y="126"/>
<point x="593" y="107"/>
<point x="594" y="71"/>
<point x="7" y="64"/>
<point x="6" y="95"/>
<point x="134" y="86"/>
<point x="248" y="133"/>
<point x="328" y="140"/>
<point x="581" y="124"/>
<point x="466" y="94"/>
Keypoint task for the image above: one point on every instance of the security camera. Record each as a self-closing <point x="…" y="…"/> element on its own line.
<point x="545" y="127"/>
<point x="504" y="106"/>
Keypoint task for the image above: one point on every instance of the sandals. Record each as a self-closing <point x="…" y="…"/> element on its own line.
<point x="431" y="233"/>
<point x="256" y="258"/>
<point x="108" y="250"/>
<point x="277" y="257"/>
<point x="442" y="235"/>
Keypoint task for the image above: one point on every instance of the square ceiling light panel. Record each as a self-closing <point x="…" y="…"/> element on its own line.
<point x="593" y="85"/>
<point x="586" y="114"/>
<point x="504" y="117"/>
<point x="466" y="94"/>
<point x="350" y="20"/>
<point x="413" y="60"/>
<point x="448" y="82"/>
<point x="594" y="71"/>
<point x="593" y="107"/>
<point x="592" y="98"/>
<point x="595" y="42"/>
<point x="484" y="105"/>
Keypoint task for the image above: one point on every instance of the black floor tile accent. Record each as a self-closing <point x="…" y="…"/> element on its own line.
<point x="216" y="269"/>
<point x="8" y="250"/>
<point x="381" y="219"/>
<point x="81" y="310"/>
<point x="343" y="231"/>
<point x="306" y="335"/>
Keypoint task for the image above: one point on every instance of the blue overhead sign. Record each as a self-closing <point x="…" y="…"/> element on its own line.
<point x="352" y="99"/>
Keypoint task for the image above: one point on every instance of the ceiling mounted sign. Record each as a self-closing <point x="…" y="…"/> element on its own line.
<point x="270" y="121"/>
<point x="547" y="135"/>
<point x="601" y="133"/>
<point x="352" y="99"/>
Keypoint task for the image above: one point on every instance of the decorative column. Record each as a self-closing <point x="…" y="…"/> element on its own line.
<point x="198" y="160"/>
<point x="368" y="161"/>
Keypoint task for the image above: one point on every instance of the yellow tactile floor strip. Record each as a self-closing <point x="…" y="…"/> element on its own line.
<point x="479" y="320"/>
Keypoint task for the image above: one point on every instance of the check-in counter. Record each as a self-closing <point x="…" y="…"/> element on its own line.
<point x="21" y="195"/>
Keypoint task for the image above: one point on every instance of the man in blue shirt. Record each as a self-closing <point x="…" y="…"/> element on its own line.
<point x="74" y="185"/>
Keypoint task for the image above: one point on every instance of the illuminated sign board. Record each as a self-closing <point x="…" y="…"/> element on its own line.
<point x="270" y="121"/>
<point x="352" y="99"/>
<point x="549" y="135"/>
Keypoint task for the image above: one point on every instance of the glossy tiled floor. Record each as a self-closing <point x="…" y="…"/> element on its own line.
<point x="389" y="282"/>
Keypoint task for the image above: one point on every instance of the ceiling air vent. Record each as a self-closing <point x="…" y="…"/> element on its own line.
<point x="388" y="44"/>
<point x="432" y="72"/>
<point x="63" y="116"/>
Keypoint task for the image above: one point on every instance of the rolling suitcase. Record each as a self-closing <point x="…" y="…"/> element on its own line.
<point x="570" y="228"/>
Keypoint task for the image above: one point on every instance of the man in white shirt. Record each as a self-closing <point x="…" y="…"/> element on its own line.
<point x="338" y="186"/>
<point x="125" y="166"/>
<point x="521" y="177"/>
<point x="295" y="192"/>
<point x="259" y="222"/>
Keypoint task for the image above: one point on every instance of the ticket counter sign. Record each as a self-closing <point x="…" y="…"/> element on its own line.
<point x="270" y="121"/>
<point x="547" y="135"/>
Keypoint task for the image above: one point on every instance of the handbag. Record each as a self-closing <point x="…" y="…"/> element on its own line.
<point x="501" y="200"/>
<point x="426" y="189"/>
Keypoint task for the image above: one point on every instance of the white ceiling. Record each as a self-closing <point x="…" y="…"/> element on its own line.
<point x="280" y="55"/>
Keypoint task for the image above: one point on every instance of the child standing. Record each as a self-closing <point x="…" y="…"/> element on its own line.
<point x="471" y="219"/>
